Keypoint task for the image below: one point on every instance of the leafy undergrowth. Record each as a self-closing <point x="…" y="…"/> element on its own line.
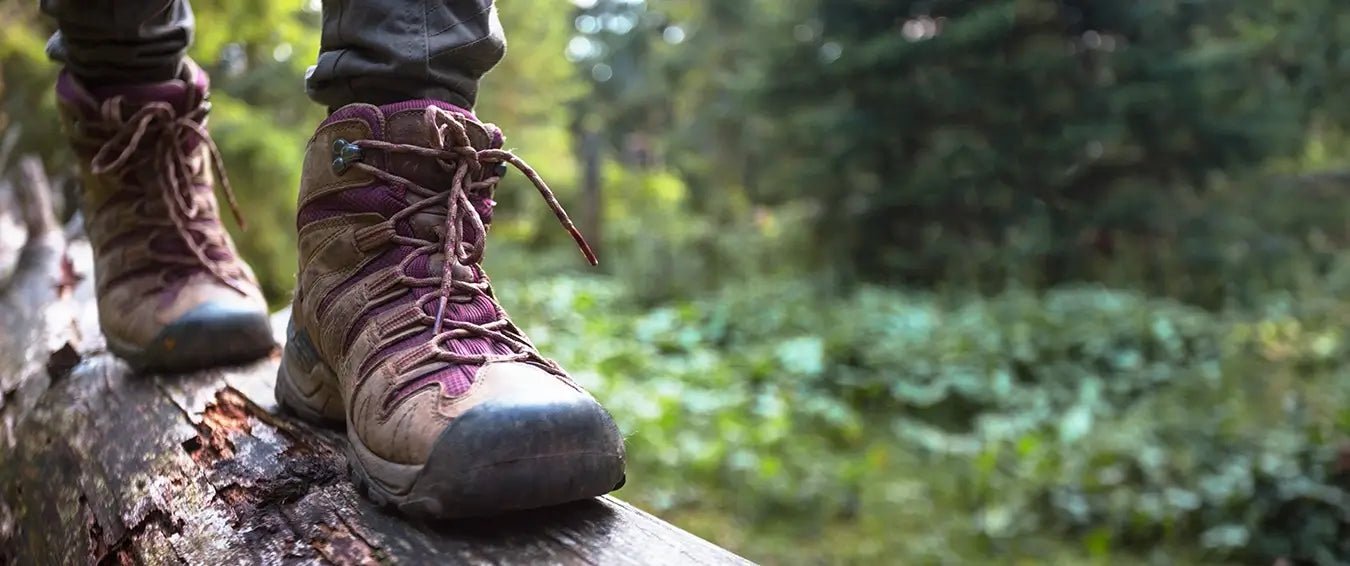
<point x="1076" y="426"/>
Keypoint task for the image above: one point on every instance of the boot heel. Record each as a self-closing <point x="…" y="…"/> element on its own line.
<point x="305" y="384"/>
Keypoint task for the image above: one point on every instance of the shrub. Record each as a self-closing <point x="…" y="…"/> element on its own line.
<point x="977" y="427"/>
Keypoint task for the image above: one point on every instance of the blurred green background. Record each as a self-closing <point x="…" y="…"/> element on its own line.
<point x="899" y="281"/>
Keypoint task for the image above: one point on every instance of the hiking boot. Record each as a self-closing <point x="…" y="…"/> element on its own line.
<point x="173" y="294"/>
<point x="396" y="332"/>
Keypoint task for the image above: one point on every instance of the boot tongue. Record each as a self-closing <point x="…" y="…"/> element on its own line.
<point x="479" y="136"/>
<point x="184" y="94"/>
<point x="405" y="124"/>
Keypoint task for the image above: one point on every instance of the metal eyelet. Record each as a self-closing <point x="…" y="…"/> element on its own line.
<point x="344" y="154"/>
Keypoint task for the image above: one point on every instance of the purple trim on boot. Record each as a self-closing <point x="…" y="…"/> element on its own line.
<point x="420" y="104"/>
<point x="364" y="112"/>
<point x="184" y="94"/>
<point x="374" y="116"/>
<point x="375" y="197"/>
<point x="70" y="91"/>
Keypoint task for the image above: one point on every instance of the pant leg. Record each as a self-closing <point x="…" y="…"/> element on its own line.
<point x="384" y="51"/>
<point x="106" y="42"/>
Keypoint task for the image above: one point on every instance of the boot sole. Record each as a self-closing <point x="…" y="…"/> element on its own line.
<point x="447" y="492"/>
<point x="472" y="470"/>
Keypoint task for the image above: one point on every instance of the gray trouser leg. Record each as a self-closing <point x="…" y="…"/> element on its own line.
<point x="375" y="51"/>
<point x="383" y="51"/>
<point x="120" y="41"/>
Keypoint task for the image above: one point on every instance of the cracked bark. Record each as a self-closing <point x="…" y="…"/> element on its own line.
<point x="102" y="466"/>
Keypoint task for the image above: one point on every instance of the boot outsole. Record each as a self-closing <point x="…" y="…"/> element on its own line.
<point x="498" y="488"/>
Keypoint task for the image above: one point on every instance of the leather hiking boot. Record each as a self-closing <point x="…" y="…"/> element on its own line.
<point x="173" y="294"/>
<point x="395" y="331"/>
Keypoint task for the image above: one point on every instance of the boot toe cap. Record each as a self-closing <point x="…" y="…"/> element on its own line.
<point x="533" y="441"/>
<point x="211" y="334"/>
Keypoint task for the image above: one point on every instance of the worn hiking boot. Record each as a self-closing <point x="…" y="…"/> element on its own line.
<point x="173" y="294"/>
<point x="396" y="332"/>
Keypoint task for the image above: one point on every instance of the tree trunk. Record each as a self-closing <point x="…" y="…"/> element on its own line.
<point x="100" y="465"/>
<point x="591" y="189"/>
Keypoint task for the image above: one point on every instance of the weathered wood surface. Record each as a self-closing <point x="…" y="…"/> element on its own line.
<point x="101" y="466"/>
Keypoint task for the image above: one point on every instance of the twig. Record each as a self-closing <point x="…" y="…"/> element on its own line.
<point x="7" y="144"/>
<point x="35" y="197"/>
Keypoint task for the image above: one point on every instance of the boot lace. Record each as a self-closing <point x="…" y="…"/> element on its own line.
<point x="473" y="174"/>
<point x="156" y="136"/>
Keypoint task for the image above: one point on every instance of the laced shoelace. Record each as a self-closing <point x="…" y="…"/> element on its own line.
<point x="472" y="173"/>
<point x="157" y="131"/>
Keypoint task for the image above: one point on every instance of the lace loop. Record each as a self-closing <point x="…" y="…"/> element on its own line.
<point x="375" y="236"/>
<point x="158" y="130"/>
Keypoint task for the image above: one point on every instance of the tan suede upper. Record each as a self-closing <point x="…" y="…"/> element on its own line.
<point x="394" y="419"/>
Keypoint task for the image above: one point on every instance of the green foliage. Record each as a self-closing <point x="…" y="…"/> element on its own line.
<point x="256" y="52"/>
<point x="1082" y="423"/>
<point x="1025" y="142"/>
<point x="27" y="111"/>
<point x="1041" y="128"/>
<point x="266" y="187"/>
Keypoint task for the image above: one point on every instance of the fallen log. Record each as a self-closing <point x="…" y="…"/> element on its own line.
<point x="99" y="465"/>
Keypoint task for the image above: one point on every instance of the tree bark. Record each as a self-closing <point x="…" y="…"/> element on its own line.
<point x="99" y="465"/>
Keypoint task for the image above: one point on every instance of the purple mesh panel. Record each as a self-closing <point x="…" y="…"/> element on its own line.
<point x="454" y="380"/>
<point x="484" y="208"/>
<point x="421" y="267"/>
<point x="372" y="198"/>
<point x="387" y="259"/>
<point x="421" y="104"/>
<point x="371" y="116"/>
<point x="365" y="199"/>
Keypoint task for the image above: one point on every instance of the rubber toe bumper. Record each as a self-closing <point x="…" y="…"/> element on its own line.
<point x="212" y="334"/>
<point x="549" y="446"/>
